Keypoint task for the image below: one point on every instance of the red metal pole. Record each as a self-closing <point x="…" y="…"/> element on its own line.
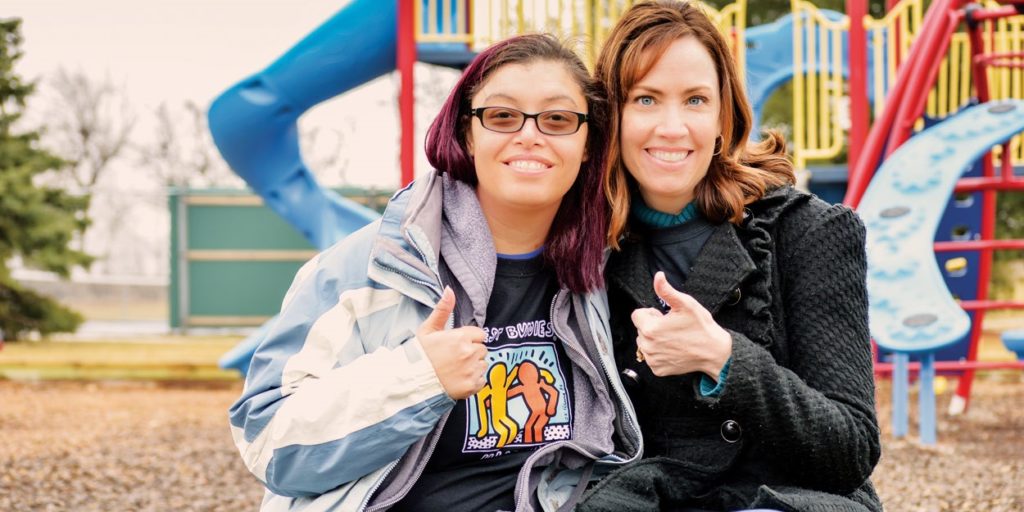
<point x="953" y="366"/>
<point x="974" y="245"/>
<point x="406" y="60"/>
<point x="985" y="305"/>
<point x="995" y="13"/>
<point x="860" y="174"/>
<point x="976" y="184"/>
<point x="988" y="213"/>
<point x="856" y="10"/>
<point x="921" y="81"/>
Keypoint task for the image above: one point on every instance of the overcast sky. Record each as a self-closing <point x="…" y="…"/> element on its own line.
<point x="172" y="51"/>
<point x="176" y="50"/>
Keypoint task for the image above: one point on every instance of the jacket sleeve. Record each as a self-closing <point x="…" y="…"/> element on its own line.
<point x="323" y="405"/>
<point x="815" y="417"/>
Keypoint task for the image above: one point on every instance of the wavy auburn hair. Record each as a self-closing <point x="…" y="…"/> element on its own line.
<point x="743" y="171"/>
<point x="575" y="242"/>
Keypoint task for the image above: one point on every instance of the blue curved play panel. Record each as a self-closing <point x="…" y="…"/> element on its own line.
<point x="911" y="309"/>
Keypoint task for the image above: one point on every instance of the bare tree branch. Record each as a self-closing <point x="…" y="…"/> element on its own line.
<point x="90" y="124"/>
<point x="183" y="154"/>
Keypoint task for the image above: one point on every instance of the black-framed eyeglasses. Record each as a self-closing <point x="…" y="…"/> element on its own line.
<point x="510" y="120"/>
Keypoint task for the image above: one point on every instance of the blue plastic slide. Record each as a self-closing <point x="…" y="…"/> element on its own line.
<point x="254" y="122"/>
<point x="912" y="311"/>
<point x="254" y="126"/>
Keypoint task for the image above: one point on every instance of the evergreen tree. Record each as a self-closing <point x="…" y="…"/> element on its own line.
<point x="37" y="223"/>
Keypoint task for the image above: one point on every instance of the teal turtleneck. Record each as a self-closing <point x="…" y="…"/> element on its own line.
<point x="656" y="219"/>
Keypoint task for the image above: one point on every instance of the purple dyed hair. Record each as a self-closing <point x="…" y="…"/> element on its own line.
<point x="575" y="243"/>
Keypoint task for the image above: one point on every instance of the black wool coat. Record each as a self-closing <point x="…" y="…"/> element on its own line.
<point x="794" y="427"/>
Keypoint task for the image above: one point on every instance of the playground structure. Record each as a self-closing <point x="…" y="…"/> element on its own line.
<point x="904" y="107"/>
<point x="912" y="311"/>
<point x="906" y="70"/>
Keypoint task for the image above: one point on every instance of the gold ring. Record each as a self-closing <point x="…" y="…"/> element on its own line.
<point x="639" y="356"/>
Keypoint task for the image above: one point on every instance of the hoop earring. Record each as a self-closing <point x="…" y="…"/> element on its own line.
<point x="719" y="145"/>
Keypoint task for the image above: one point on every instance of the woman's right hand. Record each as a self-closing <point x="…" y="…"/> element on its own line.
<point x="683" y="340"/>
<point x="458" y="355"/>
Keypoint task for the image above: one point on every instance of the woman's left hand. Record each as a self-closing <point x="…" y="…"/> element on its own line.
<point x="684" y="340"/>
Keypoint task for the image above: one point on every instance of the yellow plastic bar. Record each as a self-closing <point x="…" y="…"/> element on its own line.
<point x="799" y="144"/>
<point x="520" y="18"/>
<point x="417" y="17"/>
<point x="1016" y="75"/>
<point x="821" y="88"/>
<point x="836" y="143"/>
<point x="468" y="23"/>
<point x="432" y="17"/>
<point x="817" y="133"/>
<point x="482" y="22"/>
<point x="811" y="92"/>
<point x="428" y="18"/>
<point x="880" y="55"/>
<point x="589" y="20"/>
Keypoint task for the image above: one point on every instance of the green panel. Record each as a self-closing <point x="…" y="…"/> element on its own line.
<point x="239" y="288"/>
<point x="240" y="227"/>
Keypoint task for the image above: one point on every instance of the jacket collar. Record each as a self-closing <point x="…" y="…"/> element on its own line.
<point x="722" y="265"/>
<point x="435" y="215"/>
<point x="404" y="254"/>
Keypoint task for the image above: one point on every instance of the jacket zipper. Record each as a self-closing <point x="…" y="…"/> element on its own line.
<point x="521" y="489"/>
<point x="414" y="477"/>
<point x="429" y="286"/>
<point x="623" y="400"/>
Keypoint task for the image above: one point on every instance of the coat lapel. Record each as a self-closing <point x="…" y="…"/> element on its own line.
<point x="722" y="265"/>
<point x="628" y="270"/>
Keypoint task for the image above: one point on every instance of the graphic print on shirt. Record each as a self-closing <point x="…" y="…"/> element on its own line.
<point x="524" y="403"/>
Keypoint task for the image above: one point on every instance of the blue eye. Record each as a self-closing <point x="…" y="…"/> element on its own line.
<point x="645" y="101"/>
<point x="696" y="100"/>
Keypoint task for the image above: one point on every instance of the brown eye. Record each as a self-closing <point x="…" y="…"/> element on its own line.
<point x="502" y="118"/>
<point x="558" y="121"/>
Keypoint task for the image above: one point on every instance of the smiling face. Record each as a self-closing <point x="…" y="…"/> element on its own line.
<point x="670" y="123"/>
<point x="527" y="170"/>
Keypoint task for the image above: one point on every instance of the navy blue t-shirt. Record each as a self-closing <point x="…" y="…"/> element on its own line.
<point x="526" y="403"/>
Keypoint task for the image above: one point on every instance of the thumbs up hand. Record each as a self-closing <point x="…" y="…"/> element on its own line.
<point x="684" y="340"/>
<point x="456" y="354"/>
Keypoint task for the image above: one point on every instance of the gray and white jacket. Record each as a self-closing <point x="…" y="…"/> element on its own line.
<point x="342" y="408"/>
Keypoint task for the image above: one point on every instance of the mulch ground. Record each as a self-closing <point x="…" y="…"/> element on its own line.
<point x="148" y="447"/>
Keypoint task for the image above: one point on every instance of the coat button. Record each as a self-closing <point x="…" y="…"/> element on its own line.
<point x="731" y="431"/>
<point x="734" y="297"/>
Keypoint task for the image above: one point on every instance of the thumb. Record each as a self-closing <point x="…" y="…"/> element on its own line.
<point x="439" y="316"/>
<point x="675" y="299"/>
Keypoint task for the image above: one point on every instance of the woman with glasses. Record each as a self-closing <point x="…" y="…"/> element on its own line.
<point x="739" y="310"/>
<point x="455" y="355"/>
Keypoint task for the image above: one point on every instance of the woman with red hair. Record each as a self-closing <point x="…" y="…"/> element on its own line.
<point x="739" y="309"/>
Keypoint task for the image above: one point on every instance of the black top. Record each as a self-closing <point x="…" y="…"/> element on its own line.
<point x="526" y="403"/>
<point x="674" y="249"/>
